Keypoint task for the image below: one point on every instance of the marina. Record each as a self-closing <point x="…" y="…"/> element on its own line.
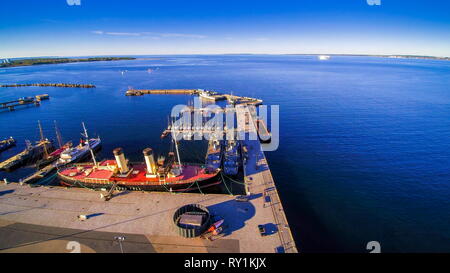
<point x="262" y="226"/>
<point x="145" y="215"/>
<point x="320" y="161"/>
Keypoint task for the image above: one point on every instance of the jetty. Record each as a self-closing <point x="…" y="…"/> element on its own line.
<point x="30" y="152"/>
<point x="71" y="85"/>
<point x="258" y="177"/>
<point x="140" y="92"/>
<point x="11" y="105"/>
<point x="39" y="174"/>
<point x="203" y="94"/>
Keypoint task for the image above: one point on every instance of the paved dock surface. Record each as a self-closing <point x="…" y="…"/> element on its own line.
<point x="44" y="219"/>
<point x="259" y="180"/>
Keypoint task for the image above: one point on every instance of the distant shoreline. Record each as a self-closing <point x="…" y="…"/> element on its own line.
<point x="380" y="56"/>
<point x="42" y="61"/>
<point x="50" y="60"/>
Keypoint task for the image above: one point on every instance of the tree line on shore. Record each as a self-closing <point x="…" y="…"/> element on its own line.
<point x="40" y="61"/>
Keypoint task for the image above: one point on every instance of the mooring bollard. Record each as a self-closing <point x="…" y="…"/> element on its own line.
<point x="6" y="181"/>
<point x="82" y="217"/>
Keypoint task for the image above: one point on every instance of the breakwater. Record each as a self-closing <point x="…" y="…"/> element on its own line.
<point x="73" y="85"/>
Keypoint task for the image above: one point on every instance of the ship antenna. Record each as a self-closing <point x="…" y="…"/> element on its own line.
<point x="42" y="139"/>
<point x="176" y="148"/>
<point x="58" y="135"/>
<point x="89" y="146"/>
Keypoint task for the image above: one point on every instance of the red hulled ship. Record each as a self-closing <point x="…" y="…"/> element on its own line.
<point x="160" y="175"/>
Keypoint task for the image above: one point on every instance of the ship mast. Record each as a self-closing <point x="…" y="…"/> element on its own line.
<point x="43" y="139"/>
<point x="58" y="135"/>
<point x="89" y="146"/>
<point x="176" y="148"/>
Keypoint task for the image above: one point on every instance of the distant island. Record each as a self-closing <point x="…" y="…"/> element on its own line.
<point x="40" y="61"/>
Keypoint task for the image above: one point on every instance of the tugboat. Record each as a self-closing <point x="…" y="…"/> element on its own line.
<point x="7" y="143"/>
<point x="231" y="158"/>
<point x="81" y="151"/>
<point x="161" y="175"/>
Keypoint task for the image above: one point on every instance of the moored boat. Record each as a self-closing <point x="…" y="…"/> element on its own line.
<point x="79" y="152"/>
<point x="7" y="143"/>
<point x="231" y="160"/>
<point x="213" y="158"/>
<point x="161" y="175"/>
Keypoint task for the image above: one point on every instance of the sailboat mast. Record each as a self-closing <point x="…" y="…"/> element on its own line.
<point x="176" y="148"/>
<point x="58" y="135"/>
<point x="43" y="139"/>
<point x="89" y="146"/>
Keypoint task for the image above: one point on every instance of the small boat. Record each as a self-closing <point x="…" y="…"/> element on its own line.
<point x="231" y="158"/>
<point x="323" y="57"/>
<point x="7" y="143"/>
<point x="207" y="95"/>
<point x="213" y="158"/>
<point x="81" y="151"/>
<point x="215" y="226"/>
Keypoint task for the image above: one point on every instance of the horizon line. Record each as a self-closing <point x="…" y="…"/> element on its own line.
<point x="218" y="54"/>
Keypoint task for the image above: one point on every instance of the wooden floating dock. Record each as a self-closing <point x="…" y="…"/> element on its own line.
<point x="39" y="174"/>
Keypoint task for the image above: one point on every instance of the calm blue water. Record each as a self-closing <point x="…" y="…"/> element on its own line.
<point x="364" y="152"/>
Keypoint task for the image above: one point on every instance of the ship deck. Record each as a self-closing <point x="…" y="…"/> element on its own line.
<point x="135" y="176"/>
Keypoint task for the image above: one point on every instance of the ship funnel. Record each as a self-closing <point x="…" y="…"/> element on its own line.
<point x="121" y="161"/>
<point x="149" y="161"/>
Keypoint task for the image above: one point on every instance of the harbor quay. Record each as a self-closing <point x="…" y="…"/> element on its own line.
<point x="47" y="219"/>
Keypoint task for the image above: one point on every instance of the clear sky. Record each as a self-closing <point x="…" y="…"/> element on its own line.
<point x="119" y="27"/>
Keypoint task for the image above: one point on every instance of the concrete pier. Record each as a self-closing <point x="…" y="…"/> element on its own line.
<point x="45" y="219"/>
<point x="259" y="180"/>
<point x="140" y="92"/>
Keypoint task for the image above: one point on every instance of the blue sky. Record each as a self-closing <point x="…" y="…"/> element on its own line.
<point x="54" y="28"/>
